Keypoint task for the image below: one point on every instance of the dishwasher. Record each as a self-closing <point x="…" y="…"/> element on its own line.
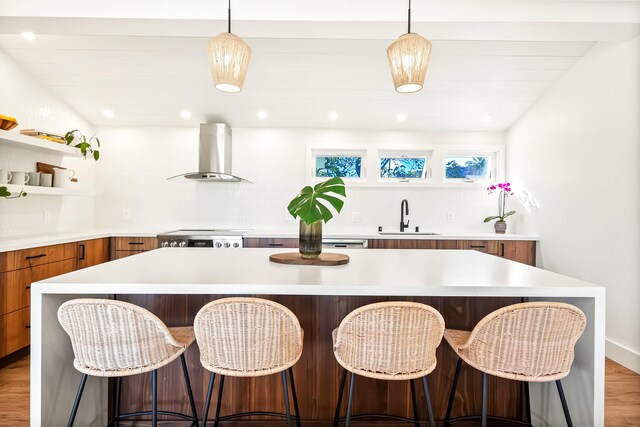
<point x="345" y="243"/>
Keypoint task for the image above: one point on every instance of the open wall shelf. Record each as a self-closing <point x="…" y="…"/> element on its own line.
<point x="16" y="140"/>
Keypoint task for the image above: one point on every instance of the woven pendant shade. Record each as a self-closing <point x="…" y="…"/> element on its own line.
<point x="408" y="60"/>
<point x="229" y="59"/>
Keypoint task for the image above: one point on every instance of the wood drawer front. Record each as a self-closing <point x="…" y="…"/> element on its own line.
<point x="523" y="251"/>
<point x="15" y="286"/>
<point x="486" y="246"/>
<point x="270" y="243"/>
<point x="25" y="258"/>
<point x="135" y="243"/>
<point x="402" y="244"/>
<point x="15" y="332"/>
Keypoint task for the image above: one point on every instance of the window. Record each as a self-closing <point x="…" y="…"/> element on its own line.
<point x="343" y="165"/>
<point x="403" y="165"/>
<point x="468" y="167"/>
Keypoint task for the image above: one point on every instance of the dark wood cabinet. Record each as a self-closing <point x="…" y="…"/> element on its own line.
<point x="25" y="258"/>
<point x="523" y="251"/>
<point x="261" y="242"/>
<point x="93" y="252"/>
<point x="122" y="247"/>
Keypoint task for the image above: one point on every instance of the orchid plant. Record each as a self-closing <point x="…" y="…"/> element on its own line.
<point x="504" y="190"/>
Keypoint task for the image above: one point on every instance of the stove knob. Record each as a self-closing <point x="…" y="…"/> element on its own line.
<point x="182" y="244"/>
<point x="173" y="244"/>
<point x="236" y="245"/>
<point x="227" y="244"/>
<point x="164" y="244"/>
<point x="218" y="244"/>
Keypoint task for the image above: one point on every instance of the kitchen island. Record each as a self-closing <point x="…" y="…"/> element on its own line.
<point x="175" y="283"/>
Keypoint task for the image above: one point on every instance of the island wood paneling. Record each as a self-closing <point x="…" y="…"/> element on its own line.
<point x="317" y="373"/>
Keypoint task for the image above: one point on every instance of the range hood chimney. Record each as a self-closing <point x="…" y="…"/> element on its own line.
<point x="214" y="161"/>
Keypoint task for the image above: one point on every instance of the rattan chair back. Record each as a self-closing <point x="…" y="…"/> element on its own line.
<point x="116" y="338"/>
<point x="247" y="337"/>
<point x="389" y="340"/>
<point x="532" y="341"/>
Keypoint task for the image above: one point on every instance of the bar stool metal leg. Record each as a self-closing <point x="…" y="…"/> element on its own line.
<point x="343" y="380"/>
<point x="414" y="403"/>
<point x="295" y="398"/>
<point x="208" y="399"/>
<point x="427" y="397"/>
<point x="527" y="403"/>
<point x="285" y="390"/>
<point x="192" y="402"/>
<point x="484" y="399"/>
<point x="116" y="416"/>
<point x="453" y="392"/>
<point x="154" y="398"/>
<point x="350" y="404"/>
<point x="216" y="420"/>
<point x="76" y="402"/>
<point x="565" y="408"/>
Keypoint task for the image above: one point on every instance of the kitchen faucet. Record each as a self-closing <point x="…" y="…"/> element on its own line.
<point x="404" y="210"/>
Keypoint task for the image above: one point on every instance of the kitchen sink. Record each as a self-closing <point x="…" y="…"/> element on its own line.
<point x="408" y="233"/>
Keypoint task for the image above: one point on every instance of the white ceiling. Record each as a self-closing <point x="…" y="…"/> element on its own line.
<point x="148" y="70"/>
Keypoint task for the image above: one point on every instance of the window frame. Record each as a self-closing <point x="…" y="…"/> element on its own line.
<point x="427" y="172"/>
<point x="314" y="153"/>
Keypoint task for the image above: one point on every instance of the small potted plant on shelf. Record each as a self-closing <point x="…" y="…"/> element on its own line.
<point x="504" y="190"/>
<point x="85" y="146"/>
<point x="312" y="212"/>
<point x="4" y="193"/>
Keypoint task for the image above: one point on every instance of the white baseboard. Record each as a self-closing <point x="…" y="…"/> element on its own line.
<point x="622" y="355"/>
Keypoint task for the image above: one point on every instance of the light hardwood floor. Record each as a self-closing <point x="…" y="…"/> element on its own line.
<point x="622" y="395"/>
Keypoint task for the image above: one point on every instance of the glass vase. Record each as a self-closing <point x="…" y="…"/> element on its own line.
<point x="310" y="239"/>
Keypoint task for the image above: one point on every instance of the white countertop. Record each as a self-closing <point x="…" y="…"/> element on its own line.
<point x="14" y="243"/>
<point x="379" y="272"/>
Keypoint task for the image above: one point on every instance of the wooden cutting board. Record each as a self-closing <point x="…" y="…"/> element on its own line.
<point x="325" y="258"/>
<point x="47" y="168"/>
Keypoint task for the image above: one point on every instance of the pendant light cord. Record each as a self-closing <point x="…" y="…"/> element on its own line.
<point x="229" y="17"/>
<point x="408" y="19"/>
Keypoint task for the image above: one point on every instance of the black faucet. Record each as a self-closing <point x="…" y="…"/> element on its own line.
<point x="404" y="210"/>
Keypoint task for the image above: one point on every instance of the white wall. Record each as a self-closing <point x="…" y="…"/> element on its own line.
<point x="34" y="106"/>
<point x="578" y="152"/>
<point x="136" y="162"/>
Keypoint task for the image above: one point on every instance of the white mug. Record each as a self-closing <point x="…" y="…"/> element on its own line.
<point x="5" y="177"/>
<point x="61" y="177"/>
<point x="19" y="178"/>
<point x="34" y="178"/>
<point x="46" y="179"/>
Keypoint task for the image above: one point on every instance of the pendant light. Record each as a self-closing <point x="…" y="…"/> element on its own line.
<point x="229" y="59"/>
<point x="408" y="60"/>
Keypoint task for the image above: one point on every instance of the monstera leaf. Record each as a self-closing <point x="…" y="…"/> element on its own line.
<point x="310" y="205"/>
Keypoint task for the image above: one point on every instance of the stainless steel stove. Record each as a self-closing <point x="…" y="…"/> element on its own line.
<point x="222" y="239"/>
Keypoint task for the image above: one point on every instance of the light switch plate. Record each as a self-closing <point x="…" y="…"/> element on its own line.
<point x="450" y="217"/>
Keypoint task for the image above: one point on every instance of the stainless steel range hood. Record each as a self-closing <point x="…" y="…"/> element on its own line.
<point x="214" y="161"/>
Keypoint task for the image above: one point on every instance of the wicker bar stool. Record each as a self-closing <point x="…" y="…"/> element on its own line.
<point x="118" y="339"/>
<point x="388" y="341"/>
<point x="248" y="337"/>
<point x="529" y="342"/>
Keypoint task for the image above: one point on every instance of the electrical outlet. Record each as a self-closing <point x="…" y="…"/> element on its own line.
<point x="126" y="214"/>
<point x="46" y="216"/>
<point x="356" y="217"/>
<point x="450" y="217"/>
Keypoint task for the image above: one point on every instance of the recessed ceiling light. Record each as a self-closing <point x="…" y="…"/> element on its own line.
<point x="262" y="115"/>
<point x="28" y="35"/>
<point x="486" y="118"/>
<point x="333" y="115"/>
<point x="108" y="113"/>
<point x="185" y="114"/>
<point x="401" y="117"/>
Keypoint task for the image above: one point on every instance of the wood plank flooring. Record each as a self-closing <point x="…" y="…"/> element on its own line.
<point x="622" y="395"/>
